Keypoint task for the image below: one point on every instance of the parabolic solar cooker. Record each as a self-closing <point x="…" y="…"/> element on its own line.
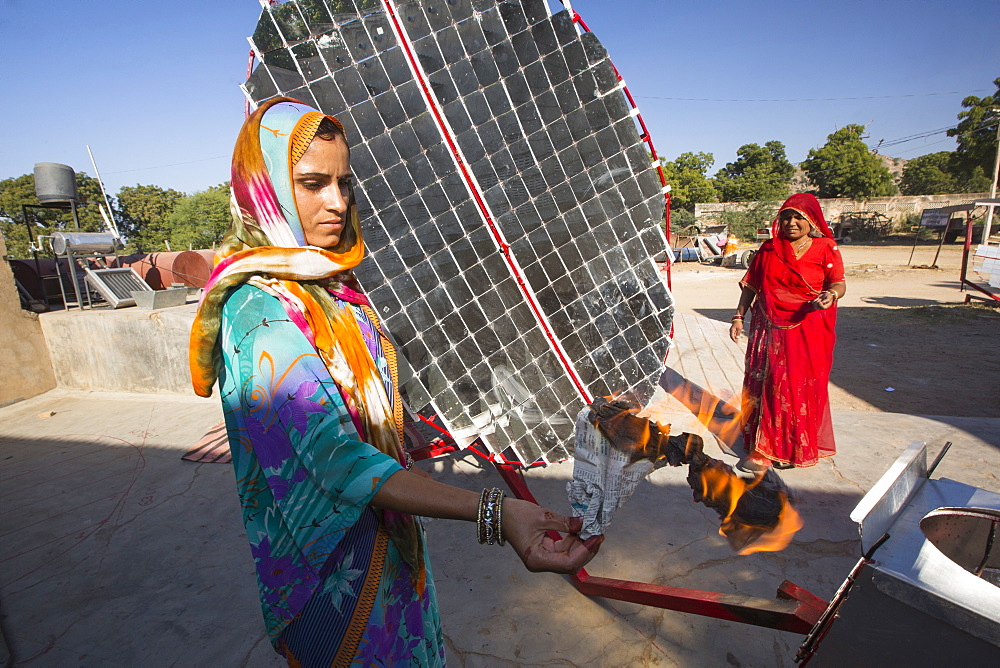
<point x="509" y="203"/>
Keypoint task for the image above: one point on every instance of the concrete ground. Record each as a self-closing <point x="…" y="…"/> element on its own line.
<point x="114" y="552"/>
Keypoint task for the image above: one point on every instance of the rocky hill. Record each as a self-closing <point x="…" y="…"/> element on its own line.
<point x="895" y="166"/>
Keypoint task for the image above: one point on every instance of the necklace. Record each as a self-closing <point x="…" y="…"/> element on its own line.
<point x="800" y="248"/>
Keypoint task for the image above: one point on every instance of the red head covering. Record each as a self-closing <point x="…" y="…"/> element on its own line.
<point x="776" y="273"/>
<point x="808" y="206"/>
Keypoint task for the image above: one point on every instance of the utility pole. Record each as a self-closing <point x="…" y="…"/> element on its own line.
<point x="993" y="187"/>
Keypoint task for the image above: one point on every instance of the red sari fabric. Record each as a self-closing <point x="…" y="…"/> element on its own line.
<point x="786" y="404"/>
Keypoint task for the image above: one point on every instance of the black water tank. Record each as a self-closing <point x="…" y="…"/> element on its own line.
<point x="55" y="182"/>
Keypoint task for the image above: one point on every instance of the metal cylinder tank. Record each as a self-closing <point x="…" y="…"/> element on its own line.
<point x="55" y="183"/>
<point x="192" y="268"/>
<point x="91" y="243"/>
<point x="161" y="270"/>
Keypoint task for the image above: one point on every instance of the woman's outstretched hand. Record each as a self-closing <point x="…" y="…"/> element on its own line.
<point x="526" y="527"/>
<point x="736" y="330"/>
<point x="525" y="524"/>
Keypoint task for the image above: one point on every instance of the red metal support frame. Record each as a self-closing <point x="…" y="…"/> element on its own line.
<point x="645" y="137"/>
<point x="965" y="270"/>
<point x="795" y="609"/>
<point x="246" y="103"/>
<point x="648" y="139"/>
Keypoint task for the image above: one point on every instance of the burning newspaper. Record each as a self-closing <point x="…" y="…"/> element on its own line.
<point x="616" y="449"/>
<point x="603" y="477"/>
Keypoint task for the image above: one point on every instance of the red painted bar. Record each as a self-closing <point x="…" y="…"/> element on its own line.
<point x="795" y="609"/>
<point x="430" y="452"/>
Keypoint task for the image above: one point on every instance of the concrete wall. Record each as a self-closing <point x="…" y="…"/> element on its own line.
<point x="895" y="208"/>
<point x="128" y="350"/>
<point x="24" y="365"/>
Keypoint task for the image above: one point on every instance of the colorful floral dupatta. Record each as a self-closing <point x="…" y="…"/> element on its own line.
<point x="266" y="248"/>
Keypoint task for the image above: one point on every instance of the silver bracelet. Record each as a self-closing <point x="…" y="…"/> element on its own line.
<point x="489" y="519"/>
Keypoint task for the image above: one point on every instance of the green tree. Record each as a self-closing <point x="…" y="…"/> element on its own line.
<point x="844" y="167"/>
<point x="20" y="190"/>
<point x="200" y="220"/>
<point x="143" y="215"/>
<point x="976" y="133"/>
<point x="14" y="192"/>
<point x="679" y="219"/>
<point x="689" y="183"/>
<point x="744" y="220"/>
<point x="929" y="175"/>
<point x="759" y="173"/>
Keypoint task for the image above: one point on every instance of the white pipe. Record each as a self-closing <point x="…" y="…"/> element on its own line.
<point x="113" y="228"/>
<point x="110" y="222"/>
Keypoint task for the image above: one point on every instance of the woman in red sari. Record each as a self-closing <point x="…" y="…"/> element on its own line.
<point x="791" y="291"/>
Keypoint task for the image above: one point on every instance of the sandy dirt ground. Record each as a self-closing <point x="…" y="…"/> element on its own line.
<point x="906" y="342"/>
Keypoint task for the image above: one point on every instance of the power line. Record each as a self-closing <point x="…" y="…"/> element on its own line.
<point x="920" y="148"/>
<point x="807" y="99"/>
<point x="920" y="135"/>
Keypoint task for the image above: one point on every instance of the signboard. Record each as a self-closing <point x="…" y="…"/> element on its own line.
<point x="934" y="218"/>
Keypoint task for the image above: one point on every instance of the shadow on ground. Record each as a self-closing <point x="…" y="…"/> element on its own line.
<point x="660" y="536"/>
<point x="114" y="550"/>
<point x="934" y="358"/>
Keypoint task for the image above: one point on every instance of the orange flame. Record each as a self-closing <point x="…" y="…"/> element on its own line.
<point x="723" y="489"/>
<point x="778" y="538"/>
<point x="719" y="485"/>
<point x="721" y="418"/>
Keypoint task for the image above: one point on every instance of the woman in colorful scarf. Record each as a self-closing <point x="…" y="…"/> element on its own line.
<point x="309" y="390"/>
<point x="791" y="291"/>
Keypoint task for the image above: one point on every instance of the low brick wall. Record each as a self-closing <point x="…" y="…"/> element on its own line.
<point x="127" y="350"/>
<point x="895" y="208"/>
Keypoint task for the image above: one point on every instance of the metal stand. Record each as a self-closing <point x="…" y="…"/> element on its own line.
<point x="76" y="251"/>
<point x="990" y="297"/>
<point x="71" y="265"/>
<point x="62" y="206"/>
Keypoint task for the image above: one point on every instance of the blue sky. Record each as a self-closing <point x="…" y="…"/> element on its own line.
<point x="152" y="87"/>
